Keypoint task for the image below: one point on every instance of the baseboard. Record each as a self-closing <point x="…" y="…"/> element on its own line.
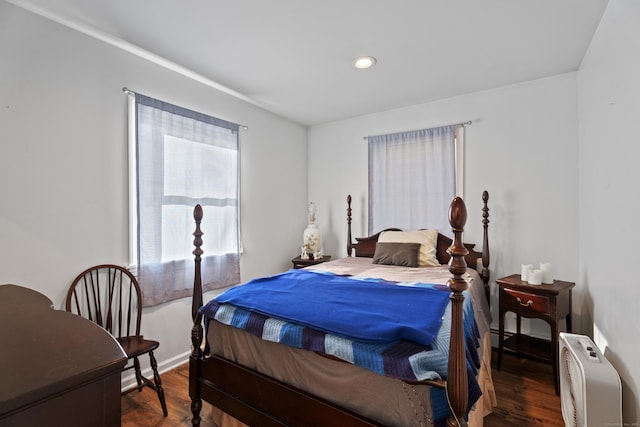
<point x="129" y="380"/>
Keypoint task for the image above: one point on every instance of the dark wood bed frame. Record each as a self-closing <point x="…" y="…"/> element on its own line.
<point x="259" y="400"/>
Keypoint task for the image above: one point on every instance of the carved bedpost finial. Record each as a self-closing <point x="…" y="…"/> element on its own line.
<point x="349" y="247"/>
<point x="457" y="250"/>
<point x="197" y="241"/>
<point x="457" y="386"/>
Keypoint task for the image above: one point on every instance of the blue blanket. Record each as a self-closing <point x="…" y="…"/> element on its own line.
<point x="362" y="309"/>
<point x="405" y="360"/>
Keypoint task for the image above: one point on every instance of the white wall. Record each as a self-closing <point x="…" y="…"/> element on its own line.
<point x="609" y="93"/>
<point x="63" y="179"/>
<point x="63" y="165"/>
<point x="521" y="147"/>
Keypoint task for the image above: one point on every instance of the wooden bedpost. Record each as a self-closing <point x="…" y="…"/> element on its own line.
<point x="484" y="274"/>
<point x="349" y="246"/>
<point x="197" y="280"/>
<point x="457" y="386"/>
<point x="196" y="330"/>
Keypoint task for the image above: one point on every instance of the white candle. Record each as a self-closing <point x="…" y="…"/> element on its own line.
<point x="547" y="275"/>
<point x="524" y="271"/>
<point x="535" y="277"/>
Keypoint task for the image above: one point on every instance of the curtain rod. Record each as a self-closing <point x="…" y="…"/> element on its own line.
<point x="132" y="93"/>
<point x="467" y="123"/>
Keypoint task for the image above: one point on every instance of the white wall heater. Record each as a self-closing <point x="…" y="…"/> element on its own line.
<point x="590" y="389"/>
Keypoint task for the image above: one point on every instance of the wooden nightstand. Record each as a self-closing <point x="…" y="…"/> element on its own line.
<point x="301" y="263"/>
<point x="550" y="303"/>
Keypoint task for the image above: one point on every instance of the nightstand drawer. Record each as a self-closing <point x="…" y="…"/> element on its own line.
<point x="525" y="302"/>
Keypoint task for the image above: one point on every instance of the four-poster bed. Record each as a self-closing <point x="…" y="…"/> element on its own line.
<point x="264" y="383"/>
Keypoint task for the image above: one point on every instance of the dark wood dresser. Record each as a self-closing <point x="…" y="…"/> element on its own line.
<point x="56" y="368"/>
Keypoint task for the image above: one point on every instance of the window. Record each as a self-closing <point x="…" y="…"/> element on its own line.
<point x="183" y="158"/>
<point x="413" y="177"/>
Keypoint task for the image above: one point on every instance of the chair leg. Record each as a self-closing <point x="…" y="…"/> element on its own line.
<point x="136" y="366"/>
<point x="156" y="379"/>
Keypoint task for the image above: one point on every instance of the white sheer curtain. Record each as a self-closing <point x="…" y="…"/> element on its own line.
<point x="412" y="179"/>
<point x="184" y="158"/>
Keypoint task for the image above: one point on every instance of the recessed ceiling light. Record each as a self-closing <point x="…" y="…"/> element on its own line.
<point x="364" y="62"/>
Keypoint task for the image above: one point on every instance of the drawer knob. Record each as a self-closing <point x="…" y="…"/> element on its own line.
<point x="527" y="304"/>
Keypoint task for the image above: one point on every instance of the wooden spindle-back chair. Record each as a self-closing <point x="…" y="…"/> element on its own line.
<point x="110" y="296"/>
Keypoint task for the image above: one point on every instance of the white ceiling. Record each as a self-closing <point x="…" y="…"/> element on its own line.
<point x="294" y="57"/>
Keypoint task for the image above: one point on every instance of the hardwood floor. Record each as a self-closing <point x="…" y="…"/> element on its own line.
<point x="524" y="389"/>
<point x="142" y="409"/>
<point x="525" y="392"/>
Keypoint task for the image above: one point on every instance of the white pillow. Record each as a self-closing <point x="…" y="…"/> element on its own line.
<point x="427" y="239"/>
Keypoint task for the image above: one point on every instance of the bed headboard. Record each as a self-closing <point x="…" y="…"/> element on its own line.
<point x="366" y="246"/>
